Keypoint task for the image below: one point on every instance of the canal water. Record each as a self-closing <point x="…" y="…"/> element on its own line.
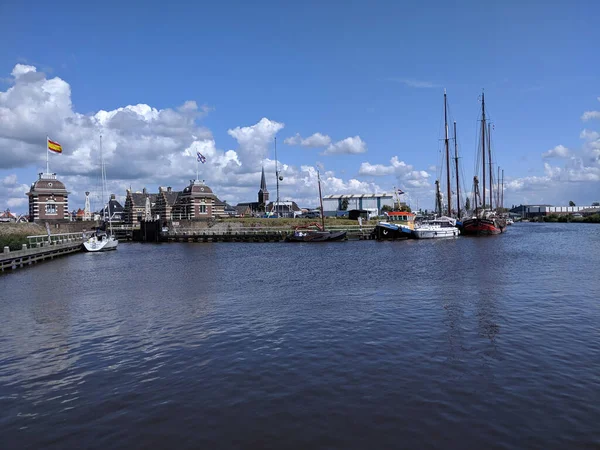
<point x="462" y="343"/>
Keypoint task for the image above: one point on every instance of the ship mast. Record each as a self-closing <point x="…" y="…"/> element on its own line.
<point x="446" y="142"/>
<point x="456" y="165"/>
<point x="277" y="176"/>
<point x="489" y="136"/>
<point x="483" y="142"/>
<point x="321" y="201"/>
<point x="438" y="198"/>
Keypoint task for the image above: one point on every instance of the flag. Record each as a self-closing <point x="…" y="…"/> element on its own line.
<point x="201" y="158"/>
<point x="54" y="146"/>
<point x="400" y="191"/>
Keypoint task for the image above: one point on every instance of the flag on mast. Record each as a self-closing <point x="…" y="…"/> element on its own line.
<point x="54" y="146"/>
<point x="201" y="158"/>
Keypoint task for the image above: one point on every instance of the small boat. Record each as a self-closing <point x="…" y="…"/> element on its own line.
<point x="441" y="227"/>
<point x="303" y="233"/>
<point x="400" y="225"/>
<point x="102" y="241"/>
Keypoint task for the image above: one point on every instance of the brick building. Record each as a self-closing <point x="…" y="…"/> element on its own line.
<point x="48" y="199"/>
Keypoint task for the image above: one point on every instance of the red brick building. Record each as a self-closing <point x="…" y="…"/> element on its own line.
<point x="48" y="199"/>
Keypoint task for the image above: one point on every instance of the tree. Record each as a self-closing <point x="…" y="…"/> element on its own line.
<point x="596" y="204"/>
<point x="344" y="204"/>
<point x="405" y="208"/>
<point x="386" y="208"/>
<point x="468" y="204"/>
<point x="572" y="203"/>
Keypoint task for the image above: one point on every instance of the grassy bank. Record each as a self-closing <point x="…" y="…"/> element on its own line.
<point x="14" y="235"/>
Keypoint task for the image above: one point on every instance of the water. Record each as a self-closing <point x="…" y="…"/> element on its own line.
<point x="466" y="343"/>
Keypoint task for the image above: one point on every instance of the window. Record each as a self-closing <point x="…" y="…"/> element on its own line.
<point x="51" y="209"/>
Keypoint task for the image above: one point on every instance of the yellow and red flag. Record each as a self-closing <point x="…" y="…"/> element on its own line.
<point x="54" y="146"/>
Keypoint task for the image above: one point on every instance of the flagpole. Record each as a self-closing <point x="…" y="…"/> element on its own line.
<point x="47" y="162"/>
<point x="197" y="165"/>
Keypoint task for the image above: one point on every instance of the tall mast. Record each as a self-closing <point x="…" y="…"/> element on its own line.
<point x="277" y="175"/>
<point x="438" y="198"/>
<point x="489" y="136"/>
<point x="498" y="190"/>
<point x="483" y="142"/>
<point x="47" y="161"/>
<point x="502" y="191"/>
<point x="456" y="165"/>
<point x="449" y="199"/>
<point x="321" y="202"/>
<point x="102" y="181"/>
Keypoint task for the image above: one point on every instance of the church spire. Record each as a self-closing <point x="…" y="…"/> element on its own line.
<point x="263" y="193"/>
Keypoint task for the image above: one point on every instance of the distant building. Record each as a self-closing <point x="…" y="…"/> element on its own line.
<point x="135" y="206"/>
<point x="286" y="208"/>
<point x="113" y="210"/>
<point x="531" y="211"/>
<point x="48" y="199"/>
<point x="368" y="202"/>
<point x="263" y="193"/>
<point x="7" y="216"/>
<point x="165" y="201"/>
<point x="197" y="201"/>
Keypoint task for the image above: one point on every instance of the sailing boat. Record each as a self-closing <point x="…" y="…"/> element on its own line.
<point x="443" y="226"/>
<point x="102" y="241"/>
<point x="483" y="222"/>
<point x="303" y="233"/>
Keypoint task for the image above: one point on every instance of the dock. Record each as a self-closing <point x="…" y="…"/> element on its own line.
<point x="40" y="248"/>
<point x="263" y="234"/>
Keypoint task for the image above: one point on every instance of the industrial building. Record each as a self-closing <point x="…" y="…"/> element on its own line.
<point x="367" y="202"/>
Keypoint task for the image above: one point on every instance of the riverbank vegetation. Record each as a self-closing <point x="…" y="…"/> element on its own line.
<point x="14" y="235"/>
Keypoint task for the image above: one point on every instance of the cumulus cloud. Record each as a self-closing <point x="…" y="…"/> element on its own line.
<point x="588" y="115"/>
<point x="255" y="140"/>
<point x="12" y="193"/>
<point x="349" y="146"/>
<point x="405" y="173"/>
<point x="560" y="151"/>
<point x="315" y="141"/>
<point x="589" y="135"/>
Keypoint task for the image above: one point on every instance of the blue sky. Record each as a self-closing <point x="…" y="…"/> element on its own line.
<point x="375" y="70"/>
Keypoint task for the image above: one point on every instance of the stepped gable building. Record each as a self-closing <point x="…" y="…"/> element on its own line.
<point x="48" y="199"/>
<point x="165" y="201"/>
<point x="197" y="201"/>
<point x="135" y="206"/>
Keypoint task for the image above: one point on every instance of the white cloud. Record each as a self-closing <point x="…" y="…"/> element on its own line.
<point x="256" y="140"/>
<point x="589" y="135"/>
<point x="314" y="141"/>
<point x="12" y="193"/>
<point x="590" y="115"/>
<point x="560" y="151"/>
<point x="349" y="146"/>
<point x="421" y="84"/>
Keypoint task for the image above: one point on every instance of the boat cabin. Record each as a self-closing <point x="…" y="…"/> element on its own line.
<point x="401" y="218"/>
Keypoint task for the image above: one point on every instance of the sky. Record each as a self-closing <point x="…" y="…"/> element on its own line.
<point x="353" y="89"/>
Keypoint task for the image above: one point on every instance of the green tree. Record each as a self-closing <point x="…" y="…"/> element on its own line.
<point x="386" y="208"/>
<point x="572" y="203"/>
<point x="344" y="204"/>
<point x="596" y="204"/>
<point x="468" y="204"/>
<point x="405" y="208"/>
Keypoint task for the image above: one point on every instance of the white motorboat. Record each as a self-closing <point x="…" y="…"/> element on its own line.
<point x="102" y="241"/>
<point x="441" y="227"/>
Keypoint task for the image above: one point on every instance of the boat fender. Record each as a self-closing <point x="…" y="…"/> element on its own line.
<point x="385" y="232"/>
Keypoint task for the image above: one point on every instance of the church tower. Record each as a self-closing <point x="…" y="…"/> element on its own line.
<point x="263" y="193"/>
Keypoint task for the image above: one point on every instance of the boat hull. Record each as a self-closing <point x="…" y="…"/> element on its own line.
<point x="436" y="233"/>
<point x="392" y="232"/>
<point x="481" y="227"/>
<point x="94" y="245"/>
<point x="316" y="236"/>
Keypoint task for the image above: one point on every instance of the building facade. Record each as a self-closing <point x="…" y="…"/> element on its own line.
<point x="197" y="201"/>
<point x="165" y="201"/>
<point x="368" y="202"/>
<point x="48" y="199"/>
<point x="134" y="210"/>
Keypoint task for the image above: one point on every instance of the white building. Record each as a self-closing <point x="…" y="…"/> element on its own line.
<point x="368" y="202"/>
